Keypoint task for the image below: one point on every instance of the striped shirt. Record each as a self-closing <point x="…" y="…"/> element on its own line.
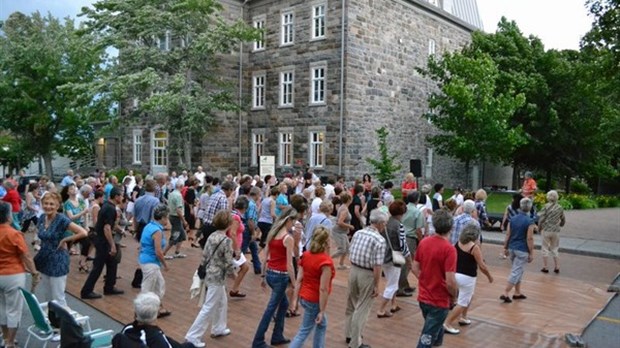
<point x="551" y="217"/>
<point x="367" y="248"/>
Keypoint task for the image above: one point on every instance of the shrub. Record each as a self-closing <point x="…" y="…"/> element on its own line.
<point x="565" y="204"/>
<point x="580" y="187"/>
<point x="607" y="201"/>
<point x="581" y="201"/>
<point x="539" y="200"/>
<point x="120" y="173"/>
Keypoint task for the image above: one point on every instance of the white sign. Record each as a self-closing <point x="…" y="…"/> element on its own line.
<point x="267" y="166"/>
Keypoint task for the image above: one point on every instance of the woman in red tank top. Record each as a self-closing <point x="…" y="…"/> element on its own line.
<point x="279" y="274"/>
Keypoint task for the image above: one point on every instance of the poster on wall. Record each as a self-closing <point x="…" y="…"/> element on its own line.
<point x="267" y="166"/>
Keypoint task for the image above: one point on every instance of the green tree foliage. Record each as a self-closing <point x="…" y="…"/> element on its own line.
<point x="39" y="57"/>
<point x="170" y="55"/>
<point x="385" y="166"/>
<point x="470" y="111"/>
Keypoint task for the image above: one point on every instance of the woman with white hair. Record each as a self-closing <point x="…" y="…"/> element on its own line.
<point x="468" y="259"/>
<point x="144" y="331"/>
<point x="551" y="220"/>
<point x="519" y="245"/>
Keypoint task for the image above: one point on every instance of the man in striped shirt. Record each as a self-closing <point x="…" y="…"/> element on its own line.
<point x="367" y="253"/>
<point x="217" y="202"/>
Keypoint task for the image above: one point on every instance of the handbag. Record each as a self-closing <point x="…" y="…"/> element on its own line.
<point x="202" y="269"/>
<point x="397" y="256"/>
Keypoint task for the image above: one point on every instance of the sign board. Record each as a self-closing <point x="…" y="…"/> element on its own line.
<point x="267" y="166"/>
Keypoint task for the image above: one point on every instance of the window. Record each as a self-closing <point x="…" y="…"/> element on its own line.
<point x="431" y="47"/>
<point x="286" y="88"/>
<point x="317" y="153"/>
<point x="258" y="91"/>
<point x="163" y="41"/>
<point x="258" y="141"/>
<point x="160" y="149"/>
<point x="285" y="157"/>
<point x="317" y="84"/>
<point x="434" y="2"/>
<point x="428" y="169"/>
<point x="137" y="146"/>
<point x="288" y="29"/>
<point x="259" y="23"/>
<point x="318" y="21"/>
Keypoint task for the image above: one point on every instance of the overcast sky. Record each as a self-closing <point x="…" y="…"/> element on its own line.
<point x="559" y="24"/>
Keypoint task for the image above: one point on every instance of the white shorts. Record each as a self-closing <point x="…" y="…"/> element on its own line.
<point x="240" y="262"/>
<point x="466" y="284"/>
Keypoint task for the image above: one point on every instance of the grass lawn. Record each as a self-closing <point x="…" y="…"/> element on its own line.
<point x="496" y="201"/>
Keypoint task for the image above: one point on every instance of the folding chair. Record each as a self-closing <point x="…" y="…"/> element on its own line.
<point x="72" y="334"/>
<point x="41" y="329"/>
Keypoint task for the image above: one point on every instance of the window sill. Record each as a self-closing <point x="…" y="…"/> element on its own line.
<point x="258" y="50"/>
<point x="317" y="104"/>
<point x="258" y="108"/>
<point x="282" y="45"/>
<point x="321" y="38"/>
<point x="286" y="106"/>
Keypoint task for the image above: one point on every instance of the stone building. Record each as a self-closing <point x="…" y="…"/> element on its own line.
<point x="314" y="94"/>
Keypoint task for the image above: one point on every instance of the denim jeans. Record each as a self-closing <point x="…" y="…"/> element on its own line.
<point x="432" y="332"/>
<point x="251" y="244"/>
<point x="278" y="305"/>
<point x="311" y="310"/>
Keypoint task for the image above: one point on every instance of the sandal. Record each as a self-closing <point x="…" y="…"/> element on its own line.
<point x="519" y="297"/>
<point x="164" y="314"/>
<point x="506" y="299"/>
<point x="544" y="270"/>
<point x="384" y="315"/>
<point x="83" y="268"/>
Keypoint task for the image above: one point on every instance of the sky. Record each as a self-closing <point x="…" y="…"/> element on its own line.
<point x="560" y="24"/>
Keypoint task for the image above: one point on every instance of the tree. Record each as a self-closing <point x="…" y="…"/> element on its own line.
<point x="469" y="110"/>
<point x="39" y="57"/>
<point x="14" y="153"/>
<point x="385" y="166"/>
<point x="170" y="55"/>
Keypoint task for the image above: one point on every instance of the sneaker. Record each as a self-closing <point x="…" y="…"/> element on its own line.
<point x="168" y="257"/>
<point x="198" y="344"/>
<point x="451" y="330"/>
<point x="226" y="332"/>
<point x="180" y="256"/>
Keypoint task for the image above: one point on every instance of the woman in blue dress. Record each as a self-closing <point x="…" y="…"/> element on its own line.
<point x="52" y="260"/>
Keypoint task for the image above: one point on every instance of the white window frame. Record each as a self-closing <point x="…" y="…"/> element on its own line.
<point x="259" y="23"/>
<point x="287" y="28"/>
<point x="316" y="149"/>
<point x="434" y="2"/>
<point x="287" y="89"/>
<point x="318" y="83"/>
<point x="137" y="146"/>
<point x="159" y="150"/>
<point x="259" y="82"/>
<point x="285" y="148"/>
<point x="258" y="146"/>
<point x="428" y="168"/>
<point x="318" y="21"/>
<point x="166" y="42"/>
<point x="432" y="47"/>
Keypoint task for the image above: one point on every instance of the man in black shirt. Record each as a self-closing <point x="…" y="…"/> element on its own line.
<point x="106" y="249"/>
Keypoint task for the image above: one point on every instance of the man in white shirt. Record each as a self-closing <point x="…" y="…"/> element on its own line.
<point x="329" y="188"/>
<point x="132" y="182"/>
<point x="200" y="176"/>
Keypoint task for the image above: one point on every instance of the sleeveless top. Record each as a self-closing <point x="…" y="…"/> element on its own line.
<point x="347" y="220"/>
<point x="265" y="210"/>
<point x="466" y="262"/>
<point x="277" y="255"/>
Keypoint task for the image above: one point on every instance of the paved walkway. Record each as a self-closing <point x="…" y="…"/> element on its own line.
<point x="587" y="232"/>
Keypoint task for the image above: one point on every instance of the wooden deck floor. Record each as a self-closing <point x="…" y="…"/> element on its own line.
<point x="555" y="305"/>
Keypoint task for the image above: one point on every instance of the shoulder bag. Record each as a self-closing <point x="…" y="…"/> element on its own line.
<point x="397" y="256"/>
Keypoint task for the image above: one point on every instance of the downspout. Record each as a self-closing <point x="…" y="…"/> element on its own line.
<point x="342" y="42"/>
<point x="240" y="86"/>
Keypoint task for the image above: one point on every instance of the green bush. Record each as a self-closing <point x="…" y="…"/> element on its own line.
<point x="607" y="201"/>
<point x="120" y="173"/>
<point x="565" y="204"/>
<point x="581" y="201"/>
<point x="580" y="187"/>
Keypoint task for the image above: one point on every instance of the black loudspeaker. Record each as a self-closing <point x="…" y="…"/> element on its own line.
<point x="415" y="166"/>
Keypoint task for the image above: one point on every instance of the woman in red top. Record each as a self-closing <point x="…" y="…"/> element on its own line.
<point x="314" y="284"/>
<point x="15" y="260"/>
<point x="236" y="234"/>
<point x="409" y="185"/>
<point x="279" y="273"/>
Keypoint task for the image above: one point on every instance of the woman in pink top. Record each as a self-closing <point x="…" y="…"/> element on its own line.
<point x="236" y="234"/>
<point x="279" y="274"/>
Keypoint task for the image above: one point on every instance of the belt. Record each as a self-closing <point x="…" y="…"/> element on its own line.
<point x="276" y="271"/>
<point x="368" y="269"/>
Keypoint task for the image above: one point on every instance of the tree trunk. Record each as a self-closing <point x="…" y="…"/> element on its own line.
<point x="49" y="171"/>
<point x="467" y="183"/>
<point x="567" y="183"/>
<point x="187" y="150"/>
<point x="548" y="185"/>
<point x="515" y="176"/>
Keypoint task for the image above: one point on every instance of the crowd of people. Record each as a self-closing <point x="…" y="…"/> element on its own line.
<point x="295" y="233"/>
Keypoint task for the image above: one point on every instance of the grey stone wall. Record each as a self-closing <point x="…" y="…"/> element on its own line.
<point x="387" y="41"/>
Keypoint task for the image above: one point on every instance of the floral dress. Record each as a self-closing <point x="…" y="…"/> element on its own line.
<point x="50" y="260"/>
